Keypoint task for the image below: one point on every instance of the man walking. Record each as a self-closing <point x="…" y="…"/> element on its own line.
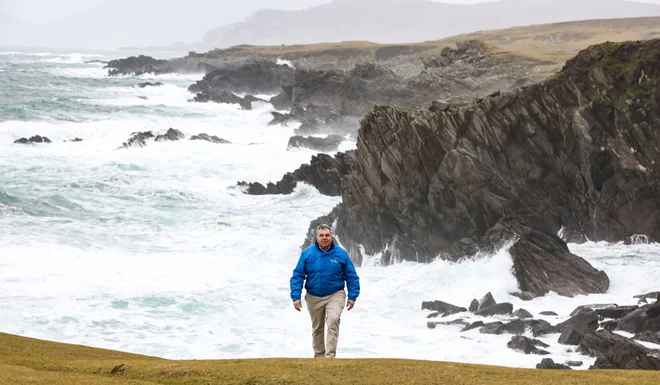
<point x="325" y="266"/>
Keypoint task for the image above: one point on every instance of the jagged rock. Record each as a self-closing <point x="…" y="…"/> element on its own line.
<point x="33" y="139"/>
<point x="613" y="351"/>
<point x="492" y="328"/>
<point x="647" y="336"/>
<point x="255" y="77"/>
<point x="517" y="167"/>
<point x="639" y="320"/>
<point x="548" y="363"/>
<point x="138" y="65"/>
<point x="522" y="313"/>
<point x="473" y="325"/>
<point x="138" y="139"/>
<point x="606" y="310"/>
<point x="149" y="84"/>
<point x="327" y="144"/>
<point x="537" y="327"/>
<point x="280" y="119"/>
<point x="498" y="309"/>
<point x="543" y="263"/>
<point x="208" y="138"/>
<point x="171" y="135"/>
<point x="570" y="336"/>
<point x="441" y="307"/>
<point x="324" y="172"/>
<point x="227" y="98"/>
<point x="651" y="295"/>
<point x="527" y="345"/>
<point x="610" y="325"/>
<point x="474" y="306"/>
<point x="487" y="301"/>
<point x="580" y="322"/>
<point x="593" y="307"/>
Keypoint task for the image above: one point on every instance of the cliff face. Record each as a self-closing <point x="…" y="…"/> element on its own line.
<point x="579" y="152"/>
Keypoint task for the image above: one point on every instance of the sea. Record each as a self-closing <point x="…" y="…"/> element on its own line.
<point x="153" y="250"/>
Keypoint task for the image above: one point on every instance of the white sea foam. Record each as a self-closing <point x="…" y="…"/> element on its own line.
<point x="153" y="250"/>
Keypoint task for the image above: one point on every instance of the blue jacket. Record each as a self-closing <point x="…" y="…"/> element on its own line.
<point x="325" y="273"/>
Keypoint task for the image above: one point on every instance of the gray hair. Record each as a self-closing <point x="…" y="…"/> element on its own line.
<point x="323" y="227"/>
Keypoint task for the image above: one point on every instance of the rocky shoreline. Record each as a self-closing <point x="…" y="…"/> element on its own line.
<point x="469" y="155"/>
<point x="590" y="330"/>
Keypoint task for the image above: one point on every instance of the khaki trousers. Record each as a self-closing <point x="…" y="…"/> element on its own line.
<point x="325" y="310"/>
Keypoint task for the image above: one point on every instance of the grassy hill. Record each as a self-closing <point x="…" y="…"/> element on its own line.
<point x="29" y="361"/>
<point x="550" y="44"/>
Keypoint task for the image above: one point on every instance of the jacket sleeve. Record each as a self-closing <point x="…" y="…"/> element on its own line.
<point x="297" y="279"/>
<point x="352" y="279"/>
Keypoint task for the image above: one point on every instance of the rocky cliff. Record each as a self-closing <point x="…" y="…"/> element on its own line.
<point x="578" y="153"/>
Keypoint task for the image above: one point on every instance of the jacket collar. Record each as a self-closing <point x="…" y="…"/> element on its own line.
<point x="332" y="246"/>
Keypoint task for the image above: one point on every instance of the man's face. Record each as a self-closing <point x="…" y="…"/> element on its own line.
<point x="324" y="238"/>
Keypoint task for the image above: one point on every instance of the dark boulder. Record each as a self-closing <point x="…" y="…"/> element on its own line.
<point x="138" y="65"/>
<point x="209" y="138"/>
<point x="527" y="345"/>
<point x="327" y="144"/>
<point x="170" y="135"/>
<point x="138" y="139"/>
<point x="254" y="77"/>
<point x="548" y="363"/>
<point x="324" y="172"/>
<point x="33" y="139"/>
<point x="613" y="351"/>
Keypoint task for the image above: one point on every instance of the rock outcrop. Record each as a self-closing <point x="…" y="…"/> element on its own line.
<point x="323" y="172"/>
<point x="576" y="153"/>
<point x="138" y="65"/>
<point x="257" y="77"/>
<point x="33" y="139"/>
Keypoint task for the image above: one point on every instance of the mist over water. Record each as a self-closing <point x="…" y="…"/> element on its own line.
<point x="153" y="250"/>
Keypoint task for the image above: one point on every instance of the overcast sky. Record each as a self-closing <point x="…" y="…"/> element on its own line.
<point x="139" y="23"/>
<point x="39" y="11"/>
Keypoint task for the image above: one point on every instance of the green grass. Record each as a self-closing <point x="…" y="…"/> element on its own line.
<point x="30" y="361"/>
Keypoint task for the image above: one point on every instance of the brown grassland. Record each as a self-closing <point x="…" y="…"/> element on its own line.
<point x="26" y="361"/>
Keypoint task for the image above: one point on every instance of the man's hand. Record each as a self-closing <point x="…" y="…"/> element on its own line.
<point x="351" y="303"/>
<point x="297" y="305"/>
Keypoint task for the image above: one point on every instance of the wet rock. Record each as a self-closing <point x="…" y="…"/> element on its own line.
<point x="522" y="313"/>
<point x="486" y="301"/>
<point x="324" y="172"/>
<point x="548" y="363"/>
<point x="580" y="322"/>
<point x="209" y="138"/>
<point x="149" y="84"/>
<point x="441" y="306"/>
<point x="138" y="139"/>
<point x="327" y="144"/>
<point x="499" y="309"/>
<point x="613" y="351"/>
<point x="527" y="345"/>
<point x="492" y="328"/>
<point x="472" y="326"/>
<point x="171" y="135"/>
<point x="33" y="139"/>
<point x="570" y="336"/>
